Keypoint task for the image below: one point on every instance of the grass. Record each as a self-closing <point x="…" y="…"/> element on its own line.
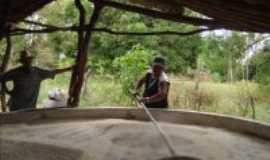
<point x="214" y="97"/>
<point x="99" y="91"/>
<point x="223" y="98"/>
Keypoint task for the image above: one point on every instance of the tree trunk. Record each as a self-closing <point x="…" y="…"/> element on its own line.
<point x="81" y="59"/>
<point x="3" y="68"/>
<point x="230" y="68"/>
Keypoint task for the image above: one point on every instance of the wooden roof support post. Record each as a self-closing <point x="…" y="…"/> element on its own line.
<point x="2" y="69"/>
<point x="84" y="37"/>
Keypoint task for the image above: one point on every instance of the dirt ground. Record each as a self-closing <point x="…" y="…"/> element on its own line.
<point x="115" y="139"/>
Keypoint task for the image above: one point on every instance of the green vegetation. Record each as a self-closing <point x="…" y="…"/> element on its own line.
<point x="209" y="72"/>
<point x="261" y="67"/>
<point x="132" y="66"/>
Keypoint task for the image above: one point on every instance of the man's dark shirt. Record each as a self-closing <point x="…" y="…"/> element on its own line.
<point x="26" y="85"/>
<point x="152" y="85"/>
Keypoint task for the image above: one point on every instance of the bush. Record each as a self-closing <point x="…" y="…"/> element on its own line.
<point x="100" y="65"/>
<point x="263" y="93"/>
<point x="197" y="96"/>
<point x="132" y="65"/>
<point x="261" y="62"/>
<point x="246" y="98"/>
<point x="217" y="77"/>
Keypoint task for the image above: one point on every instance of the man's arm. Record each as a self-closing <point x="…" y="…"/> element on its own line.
<point x="139" y="85"/>
<point x="162" y="93"/>
<point x="8" y="76"/>
<point x="45" y="74"/>
<point x="5" y="77"/>
<point x="62" y="70"/>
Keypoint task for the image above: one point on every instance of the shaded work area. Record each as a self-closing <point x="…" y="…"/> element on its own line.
<point x="109" y="133"/>
<point x="240" y="15"/>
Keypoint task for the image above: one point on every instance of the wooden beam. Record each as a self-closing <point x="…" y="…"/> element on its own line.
<point x="153" y="33"/>
<point x="22" y="31"/>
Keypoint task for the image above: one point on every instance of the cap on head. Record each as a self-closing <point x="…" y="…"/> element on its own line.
<point x="159" y="61"/>
<point x="24" y="55"/>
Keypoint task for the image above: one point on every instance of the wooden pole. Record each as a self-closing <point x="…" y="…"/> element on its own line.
<point x="84" y="38"/>
<point x="2" y="69"/>
<point x="23" y="31"/>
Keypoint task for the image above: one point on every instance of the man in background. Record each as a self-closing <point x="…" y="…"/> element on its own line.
<point x="26" y="82"/>
<point x="156" y="85"/>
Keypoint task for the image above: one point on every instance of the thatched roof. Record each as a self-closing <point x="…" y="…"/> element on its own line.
<point x="249" y="15"/>
<point x="243" y="15"/>
<point x="12" y="11"/>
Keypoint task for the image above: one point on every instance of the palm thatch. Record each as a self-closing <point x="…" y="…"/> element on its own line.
<point x="13" y="11"/>
<point x="247" y="15"/>
<point x="173" y="6"/>
<point x="242" y="15"/>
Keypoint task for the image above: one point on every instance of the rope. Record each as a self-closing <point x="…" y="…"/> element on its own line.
<point x="162" y="133"/>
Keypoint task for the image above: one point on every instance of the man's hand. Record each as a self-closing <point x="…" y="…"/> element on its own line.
<point x="71" y="67"/>
<point x="134" y="92"/>
<point x="58" y="71"/>
<point x="144" y="100"/>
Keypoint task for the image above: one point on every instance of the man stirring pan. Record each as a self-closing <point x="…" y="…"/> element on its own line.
<point x="156" y="85"/>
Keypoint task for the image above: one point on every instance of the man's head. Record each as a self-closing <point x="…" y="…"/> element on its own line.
<point x="158" y="66"/>
<point x="25" y="58"/>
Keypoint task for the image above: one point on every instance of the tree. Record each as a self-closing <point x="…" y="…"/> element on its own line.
<point x="261" y="64"/>
<point x="132" y="66"/>
<point x="222" y="55"/>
